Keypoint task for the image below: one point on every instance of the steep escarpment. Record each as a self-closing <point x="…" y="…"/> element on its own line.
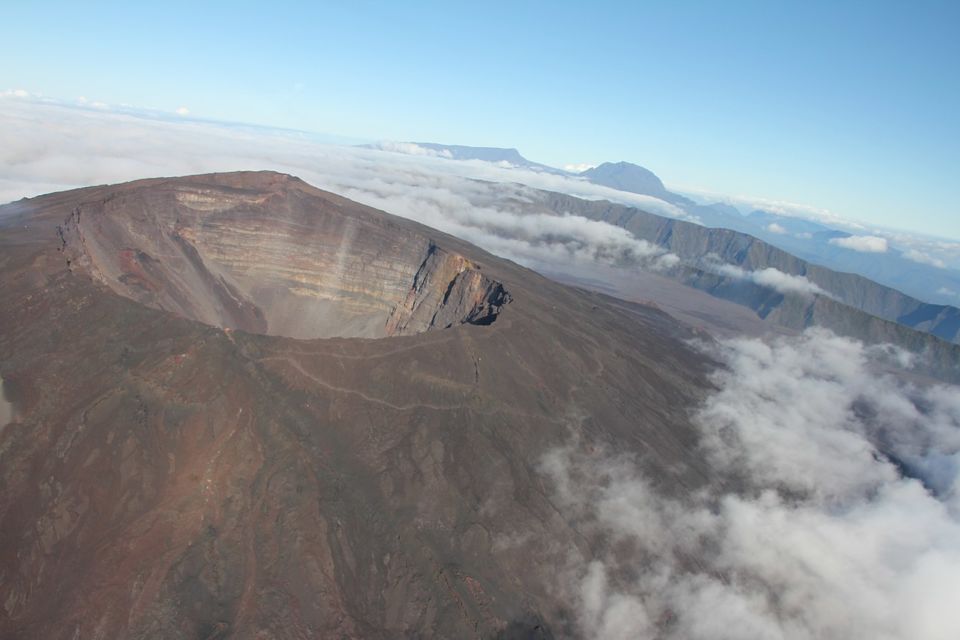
<point x="693" y="243"/>
<point x="281" y="261"/>
<point x="447" y="289"/>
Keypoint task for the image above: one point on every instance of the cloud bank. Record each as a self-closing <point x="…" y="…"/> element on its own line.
<point x="52" y="147"/>
<point x="921" y="257"/>
<point x="747" y="203"/>
<point x="768" y="277"/>
<point x="939" y="251"/>
<point x="863" y="244"/>
<point x="835" y="512"/>
<point x="411" y="149"/>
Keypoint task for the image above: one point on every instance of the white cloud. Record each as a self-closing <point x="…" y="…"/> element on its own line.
<point x="412" y="149"/>
<point x="864" y="244"/>
<point x="578" y="167"/>
<point x="183" y="111"/>
<point x="769" y="277"/>
<point x="924" y="258"/>
<point x="809" y="528"/>
<point x="53" y="147"/>
<point x="773" y="227"/>
<point x="938" y="250"/>
<point x="784" y="282"/>
<point x="223" y="147"/>
<point x="948" y="292"/>
<point x="779" y="207"/>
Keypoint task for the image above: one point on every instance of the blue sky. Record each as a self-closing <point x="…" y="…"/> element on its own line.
<point x="853" y="107"/>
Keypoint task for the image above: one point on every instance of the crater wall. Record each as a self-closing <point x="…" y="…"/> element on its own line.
<point x="281" y="262"/>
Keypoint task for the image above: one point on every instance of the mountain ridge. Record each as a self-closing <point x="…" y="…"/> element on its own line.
<point x="806" y="239"/>
<point x="690" y="241"/>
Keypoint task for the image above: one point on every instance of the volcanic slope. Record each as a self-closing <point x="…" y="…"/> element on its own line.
<point x="247" y="408"/>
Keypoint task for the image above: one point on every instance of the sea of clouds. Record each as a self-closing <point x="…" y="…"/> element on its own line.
<point x="834" y="512"/>
<point x="52" y="146"/>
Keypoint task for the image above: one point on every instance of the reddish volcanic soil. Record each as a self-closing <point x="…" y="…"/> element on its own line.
<point x="247" y="408"/>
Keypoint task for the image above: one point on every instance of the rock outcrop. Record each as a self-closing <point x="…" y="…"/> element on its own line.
<point x="447" y="289"/>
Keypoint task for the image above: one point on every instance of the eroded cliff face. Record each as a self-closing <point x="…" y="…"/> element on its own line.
<point x="691" y="242"/>
<point x="447" y="289"/>
<point x="278" y="262"/>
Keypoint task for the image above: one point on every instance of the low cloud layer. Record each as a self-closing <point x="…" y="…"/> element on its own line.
<point x="411" y="148"/>
<point x="578" y="167"/>
<point x="768" y="277"/>
<point x="863" y="244"/>
<point x="53" y="147"/>
<point x="835" y="511"/>
<point x="779" y="207"/>
<point x="921" y="257"/>
<point x="938" y="252"/>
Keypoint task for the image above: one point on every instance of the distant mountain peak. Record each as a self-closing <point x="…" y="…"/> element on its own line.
<point x="626" y="176"/>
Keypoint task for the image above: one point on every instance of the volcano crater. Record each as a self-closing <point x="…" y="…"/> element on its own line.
<point x="266" y="253"/>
